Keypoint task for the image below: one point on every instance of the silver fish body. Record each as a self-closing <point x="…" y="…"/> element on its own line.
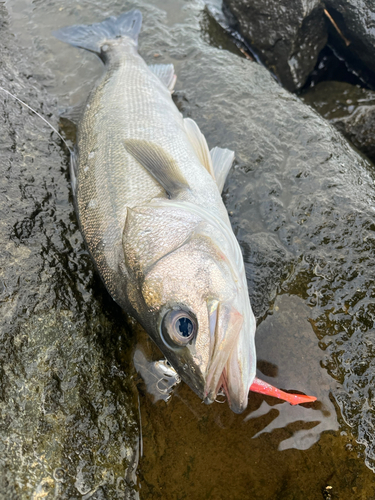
<point x="148" y="197"/>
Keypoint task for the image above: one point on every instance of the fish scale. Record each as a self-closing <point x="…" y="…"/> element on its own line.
<point x="113" y="180"/>
<point x="148" y="197"/>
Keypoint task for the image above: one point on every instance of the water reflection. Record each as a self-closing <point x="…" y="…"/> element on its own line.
<point x="287" y="335"/>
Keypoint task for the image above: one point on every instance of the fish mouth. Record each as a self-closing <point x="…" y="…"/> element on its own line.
<point x="233" y="359"/>
<point x="238" y="399"/>
<point x="217" y="384"/>
<point x="237" y="402"/>
<point x="221" y="390"/>
<point x="225" y="327"/>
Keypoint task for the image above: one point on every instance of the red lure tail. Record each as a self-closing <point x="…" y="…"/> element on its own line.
<point x="264" y="388"/>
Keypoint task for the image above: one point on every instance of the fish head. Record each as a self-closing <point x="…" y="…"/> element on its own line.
<point x="194" y="305"/>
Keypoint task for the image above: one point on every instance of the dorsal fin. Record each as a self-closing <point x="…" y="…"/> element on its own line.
<point x="199" y="143"/>
<point x="159" y="164"/>
<point x="165" y="73"/>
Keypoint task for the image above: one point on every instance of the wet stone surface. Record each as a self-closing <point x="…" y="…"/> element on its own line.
<point x="298" y="180"/>
<point x="301" y="203"/>
<point x="287" y="35"/>
<point x="350" y="109"/>
<point x="355" y="19"/>
<point x="68" y="413"/>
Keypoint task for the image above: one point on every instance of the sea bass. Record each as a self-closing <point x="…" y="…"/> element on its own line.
<point x="148" y="197"/>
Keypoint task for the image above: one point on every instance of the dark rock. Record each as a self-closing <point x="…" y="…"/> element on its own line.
<point x="350" y="108"/>
<point x="298" y="189"/>
<point x="299" y="181"/>
<point x="287" y="36"/>
<point x="68" y="417"/>
<point x="355" y="20"/>
<point x="267" y="264"/>
<point x="359" y="128"/>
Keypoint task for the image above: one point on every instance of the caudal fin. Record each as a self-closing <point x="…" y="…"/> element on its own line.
<point x="91" y="37"/>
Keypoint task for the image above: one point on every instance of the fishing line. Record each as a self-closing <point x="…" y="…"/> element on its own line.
<point x="40" y="116"/>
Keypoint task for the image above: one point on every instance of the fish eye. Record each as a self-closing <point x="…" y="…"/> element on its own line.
<point x="179" y="327"/>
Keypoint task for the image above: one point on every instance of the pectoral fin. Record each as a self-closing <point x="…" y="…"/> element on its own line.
<point x="159" y="164"/>
<point x="217" y="162"/>
<point x="222" y="160"/>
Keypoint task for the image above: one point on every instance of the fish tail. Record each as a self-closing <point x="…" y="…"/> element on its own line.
<point x="91" y="37"/>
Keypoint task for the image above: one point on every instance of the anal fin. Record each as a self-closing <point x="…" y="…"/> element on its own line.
<point x="165" y="73"/>
<point x="73" y="113"/>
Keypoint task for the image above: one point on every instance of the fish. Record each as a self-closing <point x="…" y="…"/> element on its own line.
<point x="147" y="192"/>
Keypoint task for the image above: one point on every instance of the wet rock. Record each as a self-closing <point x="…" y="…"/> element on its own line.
<point x="355" y="19"/>
<point x="68" y="426"/>
<point x="350" y="108"/>
<point x="299" y="181"/>
<point x="299" y="190"/>
<point x="68" y="418"/>
<point x="287" y="36"/>
<point x="359" y="128"/>
<point x="267" y="264"/>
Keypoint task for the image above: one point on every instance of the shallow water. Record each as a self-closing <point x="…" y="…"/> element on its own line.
<point x="301" y="202"/>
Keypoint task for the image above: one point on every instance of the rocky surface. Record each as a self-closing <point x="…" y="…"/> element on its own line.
<point x="350" y="109"/>
<point x="302" y="206"/>
<point x="287" y="35"/>
<point x="68" y="417"/>
<point x="298" y="180"/>
<point x="356" y="20"/>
